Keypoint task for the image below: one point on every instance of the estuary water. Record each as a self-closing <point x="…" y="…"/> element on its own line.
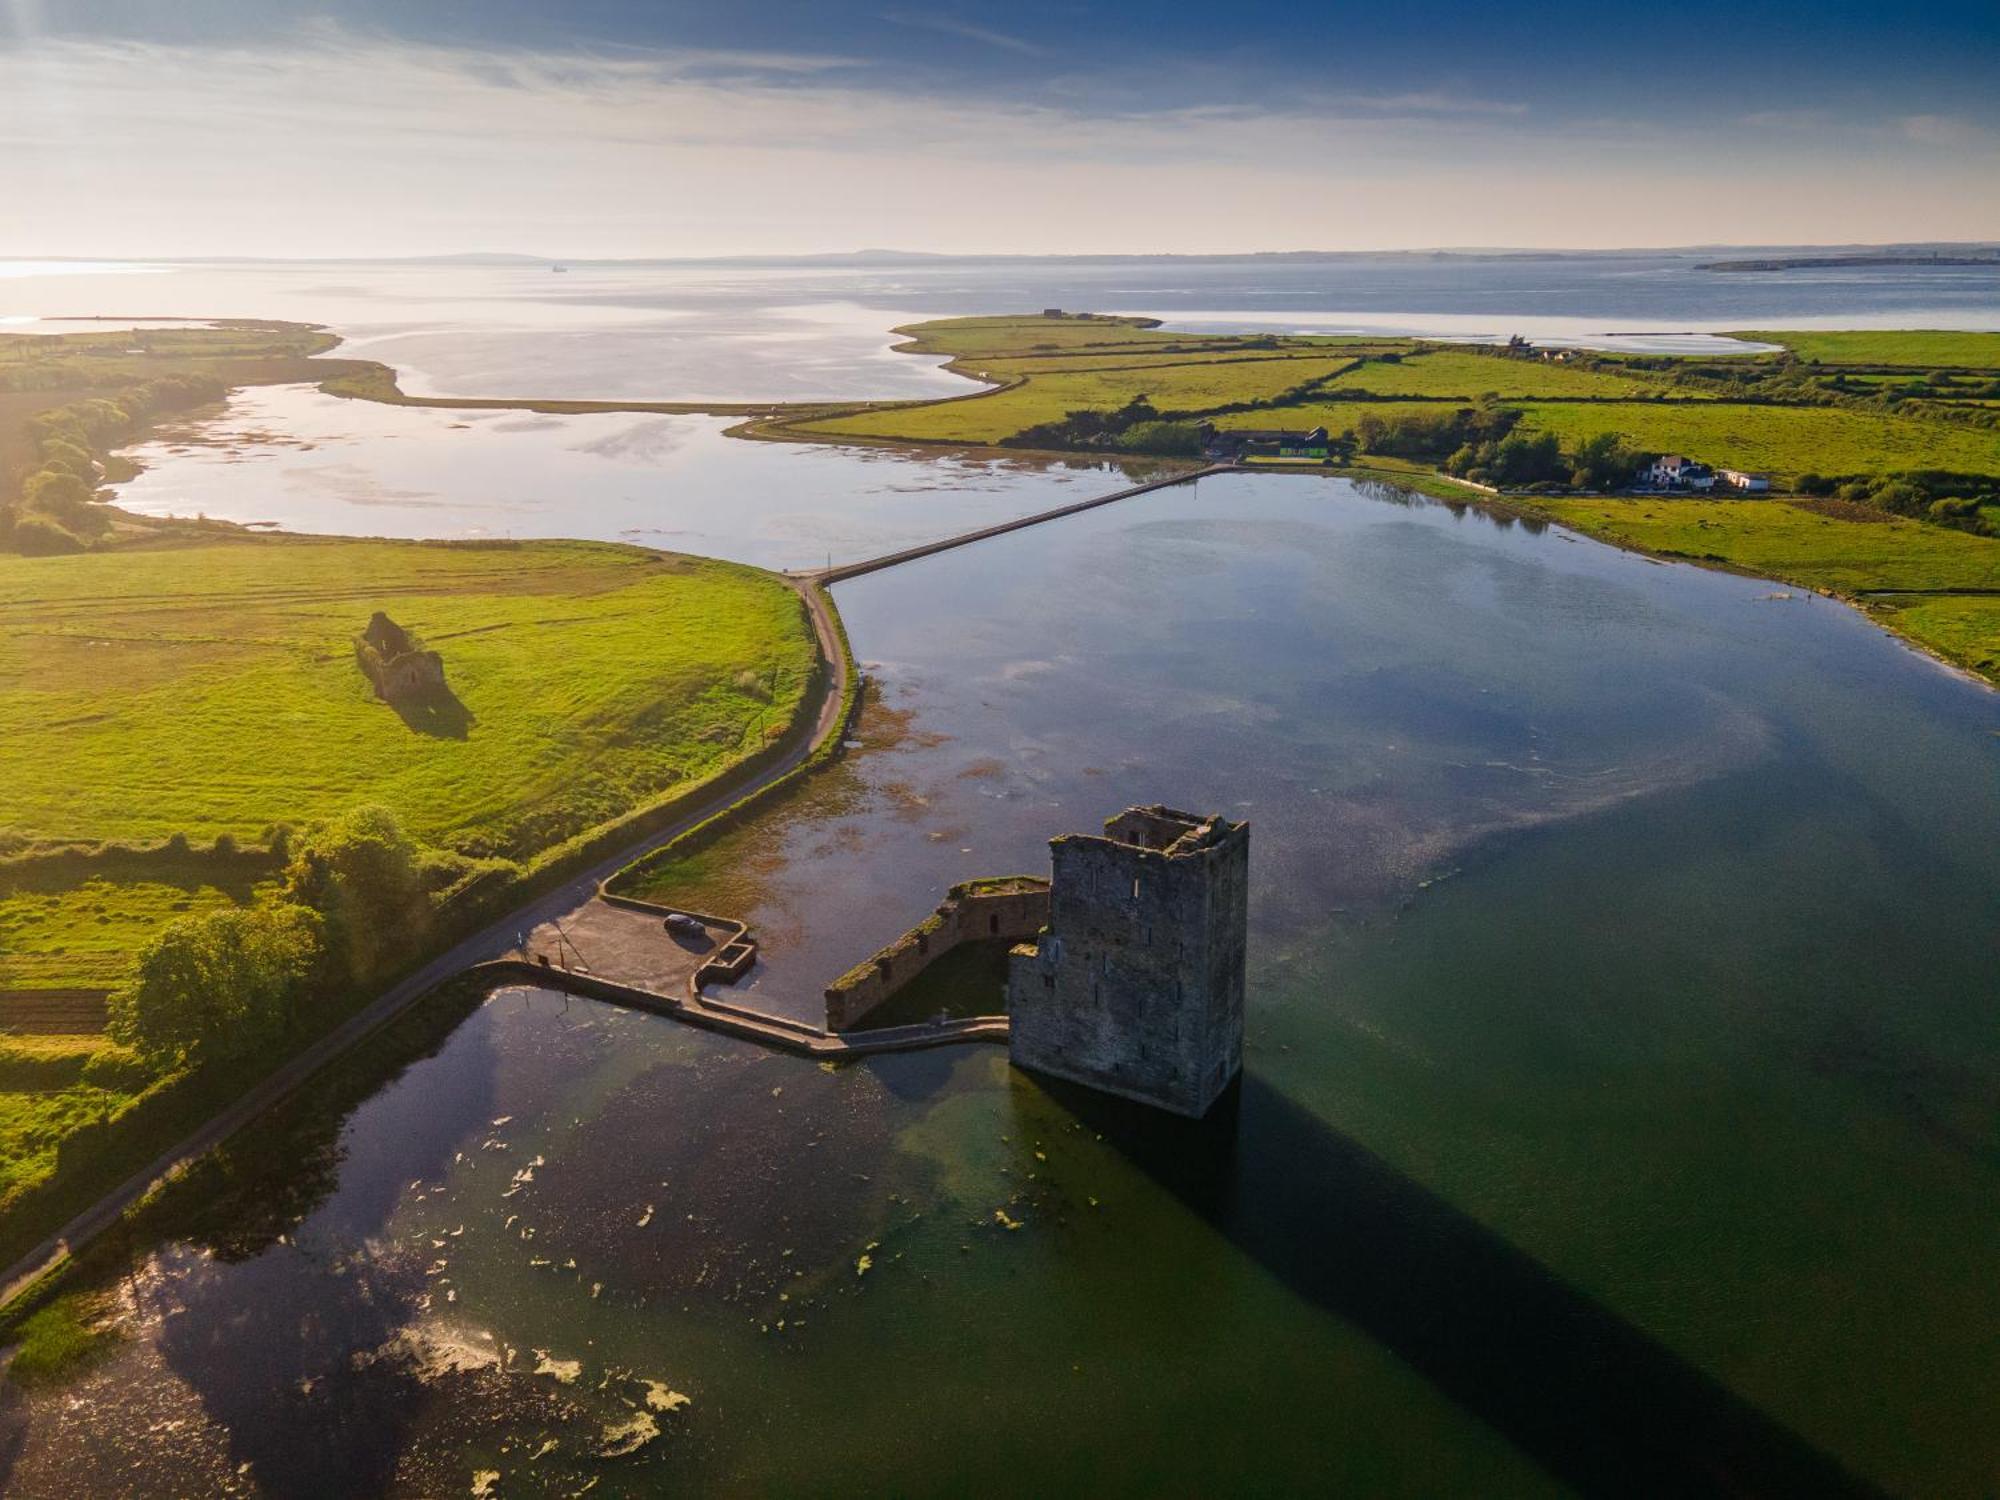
<point x="1620" y="1110"/>
<point x="744" y="331"/>
<point x="292" y="458"/>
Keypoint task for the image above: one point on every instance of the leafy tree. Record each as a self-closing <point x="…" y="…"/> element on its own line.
<point x="59" y="493"/>
<point x="1521" y="458"/>
<point x="1166" y="438"/>
<point x="1900" y="497"/>
<point x="1603" y="462"/>
<point x="1435" y="435"/>
<point x="217" y="985"/>
<point x="65" y="457"/>
<point x="37" y="535"/>
<point x="361" y="873"/>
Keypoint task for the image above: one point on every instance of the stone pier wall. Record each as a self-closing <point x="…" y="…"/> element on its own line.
<point x="1010" y="909"/>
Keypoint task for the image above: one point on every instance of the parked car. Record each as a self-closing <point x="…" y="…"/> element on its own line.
<point x="680" y="924"/>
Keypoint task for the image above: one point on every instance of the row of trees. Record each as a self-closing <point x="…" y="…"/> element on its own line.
<point x="1784" y="380"/>
<point x="1522" y="460"/>
<point x="1965" y="502"/>
<point x="351" y="903"/>
<point x="1480" y="443"/>
<point x="1136" y="427"/>
<point x="1435" y="434"/>
<point x="56" y="509"/>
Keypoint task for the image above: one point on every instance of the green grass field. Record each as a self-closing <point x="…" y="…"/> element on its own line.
<point x="1192" y="386"/>
<point x="1962" y="628"/>
<point x="1928" y="349"/>
<point x="972" y="338"/>
<point x="1831" y="546"/>
<point x="1465" y="376"/>
<point x="1816" y="545"/>
<point x="1064" y="365"/>
<point x="59" y="932"/>
<point x="84" y="355"/>
<point x="1228" y="353"/>
<point x="1060" y="365"/>
<point x="210" y="690"/>
<point x="45" y="1095"/>
<point x="1785" y="440"/>
<point x="213" y="689"/>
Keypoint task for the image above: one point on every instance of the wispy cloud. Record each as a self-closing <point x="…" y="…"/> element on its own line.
<point x="1946" y="131"/>
<point x="1786" y="119"/>
<point x="1430" y="102"/>
<point x="965" y="30"/>
<point x="338" y="143"/>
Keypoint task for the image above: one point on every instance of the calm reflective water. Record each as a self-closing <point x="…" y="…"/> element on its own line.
<point x="1620" y="1096"/>
<point x="787" y="332"/>
<point x="290" y="457"/>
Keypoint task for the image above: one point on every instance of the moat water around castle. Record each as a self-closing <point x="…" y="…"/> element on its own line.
<point x="1571" y="1127"/>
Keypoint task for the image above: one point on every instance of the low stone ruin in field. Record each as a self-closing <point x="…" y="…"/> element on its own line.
<point x="397" y="663"/>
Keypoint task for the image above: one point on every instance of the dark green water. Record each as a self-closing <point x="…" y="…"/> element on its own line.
<point x="1619" y="1112"/>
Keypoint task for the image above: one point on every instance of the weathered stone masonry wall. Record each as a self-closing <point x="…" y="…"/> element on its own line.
<point x="1137" y="986"/>
<point x="1009" y="909"/>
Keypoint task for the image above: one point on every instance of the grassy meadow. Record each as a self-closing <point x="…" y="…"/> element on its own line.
<point x="1452" y="374"/>
<point x="1048" y="367"/>
<point x="1929" y="349"/>
<point x="211" y="691"/>
<point x="1193" y="385"/>
<point x="1961" y="628"/>
<point x="75" y="924"/>
<point x="51" y="1086"/>
<point x="1044" y="368"/>
<point x="1836" y="548"/>
<point x="1822" y="544"/>
<point x="1785" y="441"/>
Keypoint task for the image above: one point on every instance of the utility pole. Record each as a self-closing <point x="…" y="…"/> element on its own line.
<point x="564" y="941"/>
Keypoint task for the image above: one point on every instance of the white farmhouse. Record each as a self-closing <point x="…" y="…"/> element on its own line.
<point x="1672" y="471"/>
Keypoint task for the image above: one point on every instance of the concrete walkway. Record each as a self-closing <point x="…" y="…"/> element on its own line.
<point x="781" y="1033"/>
<point x="824" y="576"/>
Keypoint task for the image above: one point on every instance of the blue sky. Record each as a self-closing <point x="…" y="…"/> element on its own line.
<point x="594" y="126"/>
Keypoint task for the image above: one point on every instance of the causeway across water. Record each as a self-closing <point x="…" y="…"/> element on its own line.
<point x="824" y="576"/>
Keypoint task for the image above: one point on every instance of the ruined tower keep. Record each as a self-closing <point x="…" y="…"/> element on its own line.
<point x="1136" y="985"/>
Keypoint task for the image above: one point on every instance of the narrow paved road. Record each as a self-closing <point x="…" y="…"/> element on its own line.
<point x="490" y="942"/>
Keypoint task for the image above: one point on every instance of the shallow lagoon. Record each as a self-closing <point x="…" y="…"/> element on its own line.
<point x="1620" y="1092"/>
<point x="292" y="458"/>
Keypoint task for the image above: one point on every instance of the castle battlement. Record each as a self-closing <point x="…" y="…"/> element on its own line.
<point x="1136" y="986"/>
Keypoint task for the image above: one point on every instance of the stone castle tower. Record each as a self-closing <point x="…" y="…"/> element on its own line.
<point x="1136" y="985"/>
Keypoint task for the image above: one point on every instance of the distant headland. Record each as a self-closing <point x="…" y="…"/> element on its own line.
<point x="1821" y="262"/>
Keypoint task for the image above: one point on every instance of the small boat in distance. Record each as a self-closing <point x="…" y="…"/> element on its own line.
<point x="558" y="268"/>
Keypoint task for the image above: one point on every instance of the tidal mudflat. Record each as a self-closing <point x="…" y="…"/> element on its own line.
<point x="1572" y="1127"/>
